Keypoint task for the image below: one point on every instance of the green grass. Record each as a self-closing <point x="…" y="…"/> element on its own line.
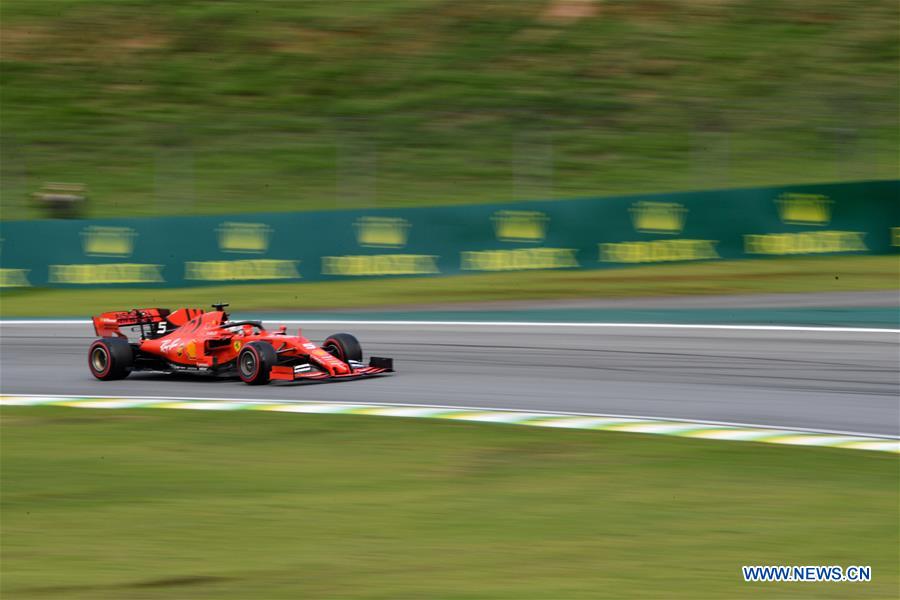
<point x="175" y="107"/>
<point x="145" y="504"/>
<point x="824" y="274"/>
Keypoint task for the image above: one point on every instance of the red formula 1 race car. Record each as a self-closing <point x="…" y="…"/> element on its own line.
<point x="194" y="341"/>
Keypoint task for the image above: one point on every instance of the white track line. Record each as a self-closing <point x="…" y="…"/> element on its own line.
<point x="39" y="322"/>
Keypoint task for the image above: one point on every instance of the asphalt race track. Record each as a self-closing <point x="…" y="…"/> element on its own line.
<point x="827" y="380"/>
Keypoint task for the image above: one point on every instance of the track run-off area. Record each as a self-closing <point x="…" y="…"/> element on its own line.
<point x="809" y="379"/>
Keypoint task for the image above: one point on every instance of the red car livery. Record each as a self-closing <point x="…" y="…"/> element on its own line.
<point x="193" y="340"/>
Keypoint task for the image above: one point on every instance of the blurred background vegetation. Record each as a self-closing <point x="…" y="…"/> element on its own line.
<point x="179" y="107"/>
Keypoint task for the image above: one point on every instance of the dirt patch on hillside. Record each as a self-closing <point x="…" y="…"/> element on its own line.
<point x="565" y="12"/>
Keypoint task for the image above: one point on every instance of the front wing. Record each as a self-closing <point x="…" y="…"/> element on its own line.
<point x="307" y="372"/>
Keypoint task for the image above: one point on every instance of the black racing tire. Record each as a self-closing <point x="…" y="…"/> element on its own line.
<point x="111" y="358"/>
<point x="255" y="363"/>
<point x="343" y="346"/>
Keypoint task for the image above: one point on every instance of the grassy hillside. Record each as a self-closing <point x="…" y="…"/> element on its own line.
<point x="174" y="106"/>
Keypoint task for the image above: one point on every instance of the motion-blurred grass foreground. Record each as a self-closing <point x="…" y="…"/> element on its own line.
<point x="150" y="503"/>
<point x="175" y="107"/>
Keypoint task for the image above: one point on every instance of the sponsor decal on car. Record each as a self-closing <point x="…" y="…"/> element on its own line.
<point x="170" y="346"/>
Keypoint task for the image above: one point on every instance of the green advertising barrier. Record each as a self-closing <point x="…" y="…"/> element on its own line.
<point x="588" y="233"/>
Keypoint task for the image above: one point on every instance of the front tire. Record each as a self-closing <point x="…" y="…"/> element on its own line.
<point x="343" y="346"/>
<point x="255" y="363"/>
<point x="110" y="358"/>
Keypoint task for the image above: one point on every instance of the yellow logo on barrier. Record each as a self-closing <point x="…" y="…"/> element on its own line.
<point x="241" y="270"/>
<point x="658" y="217"/>
<point x="807" y="242"/>
<point x="108" y="273"/>
<point x="658" y="251"/>
<point x="99" y="240"/>
<point x="380" y="264"/>
<point x="520" y="225"/>
<point x="14" y="278"/>
<point x="519" y="260"/>
<point x="381" y="232"/>
<point x="804" y="209"/>
<point x="251" y="238"/>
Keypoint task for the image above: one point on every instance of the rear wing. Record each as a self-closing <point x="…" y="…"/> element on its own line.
<point x="107" y="324"/>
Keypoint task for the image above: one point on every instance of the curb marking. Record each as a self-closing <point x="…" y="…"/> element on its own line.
<point x="670" y="427"/>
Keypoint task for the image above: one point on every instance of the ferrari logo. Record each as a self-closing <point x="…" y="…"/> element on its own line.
<point x="804" y="209"/>
<point x="237" y="346"/>
<point x="520" y="225"/>
<point x="658" y="217"/>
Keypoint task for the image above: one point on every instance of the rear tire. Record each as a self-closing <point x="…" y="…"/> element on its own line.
<point x="343" y="346"/>
<point x="111" y="358"/>
<point x="255" y="363"/>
